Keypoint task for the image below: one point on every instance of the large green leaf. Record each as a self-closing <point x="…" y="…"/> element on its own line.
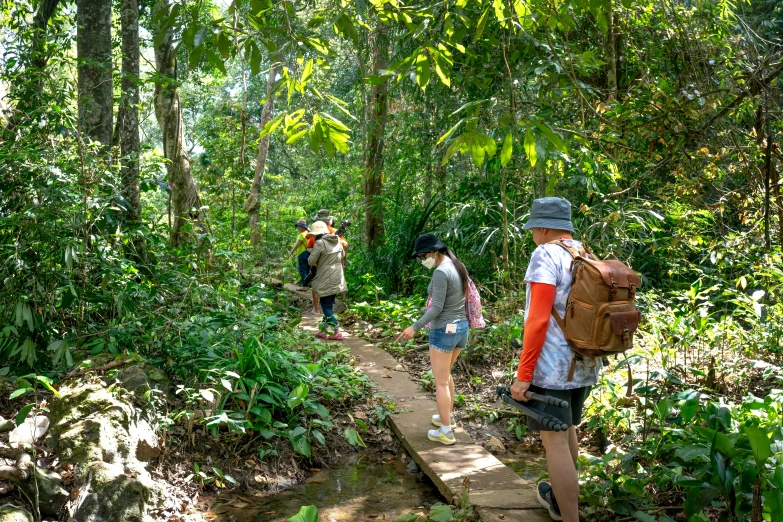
<point x="306" y="514"/>
<point x="422" y="70"/>
<point x="530" y="146"/>
<point x="353" y="438"/>
<point x="507" y="150"/>
<point x="759" y="443"/>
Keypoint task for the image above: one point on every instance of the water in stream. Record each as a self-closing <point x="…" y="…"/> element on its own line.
<point x="365" y="486"/>
<point x="362" y="487"/>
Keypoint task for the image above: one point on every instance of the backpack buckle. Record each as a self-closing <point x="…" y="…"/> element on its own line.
<point x="626" y="335"/>
<point x="631" y="288"/>
<point x="612" y="290"/>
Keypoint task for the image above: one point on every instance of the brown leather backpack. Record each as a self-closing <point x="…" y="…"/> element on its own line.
<point x="601" y="316"/>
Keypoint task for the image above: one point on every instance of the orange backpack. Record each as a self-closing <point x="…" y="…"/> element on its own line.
<point x="601" y="315"/>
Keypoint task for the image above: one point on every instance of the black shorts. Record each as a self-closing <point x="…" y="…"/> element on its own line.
<point x="572" y="415"/>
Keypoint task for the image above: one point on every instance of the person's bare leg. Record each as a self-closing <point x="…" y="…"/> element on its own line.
<point x="316" y="305"/>
<point x="441" y="367"/>
<point x="573" y="444"/>
<point x="452" y="387"/>
<point x="562" y="473"/>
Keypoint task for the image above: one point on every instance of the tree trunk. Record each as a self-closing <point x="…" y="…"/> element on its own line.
<point x="373" y="171"/>
<point x="253" y="202"/>
<point x="93" y="49"/>
<point x="128" y="115"/>
<point x="185" y="202"/>
<point x="611" y="53"/>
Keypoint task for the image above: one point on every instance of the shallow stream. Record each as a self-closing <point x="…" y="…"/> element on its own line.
<point x="362" y="487"/>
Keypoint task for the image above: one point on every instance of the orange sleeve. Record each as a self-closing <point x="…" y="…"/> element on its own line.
<point x="542" y="298"/>
<point x="311" y="242"/>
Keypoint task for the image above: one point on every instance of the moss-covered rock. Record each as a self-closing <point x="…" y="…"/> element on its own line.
<point x="11" y="513"/>
<point x="51" y="494"/>
<point x="100" y="432"/>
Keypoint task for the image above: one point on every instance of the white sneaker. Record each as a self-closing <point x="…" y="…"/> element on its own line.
<point x="436" y="420"/>
<point x="438" y="436"/>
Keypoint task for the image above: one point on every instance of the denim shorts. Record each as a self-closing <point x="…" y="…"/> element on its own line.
<point x="447" y="342"/>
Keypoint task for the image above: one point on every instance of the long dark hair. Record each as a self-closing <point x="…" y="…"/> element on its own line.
<point x="461" y="270"/>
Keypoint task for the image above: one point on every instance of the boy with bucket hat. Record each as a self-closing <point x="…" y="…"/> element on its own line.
<point x="546" y="357"/>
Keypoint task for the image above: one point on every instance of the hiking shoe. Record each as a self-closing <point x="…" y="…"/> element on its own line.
<point x="322" y="335"/>
<point x="546" y="497"/>
<point x="336" y="337"/>
<point x="436" y="420"/>
<point x="443" y="438"/>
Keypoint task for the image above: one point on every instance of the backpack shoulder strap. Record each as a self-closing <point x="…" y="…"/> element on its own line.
<point x="575" y="252"/>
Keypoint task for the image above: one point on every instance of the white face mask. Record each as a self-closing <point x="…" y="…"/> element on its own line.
<point x="429" y="262"/>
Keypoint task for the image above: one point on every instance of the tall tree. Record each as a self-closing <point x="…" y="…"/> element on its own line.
<point x="253" y="203"/>
<point x="93" y="49"/>
<point x="373" y="169"/>
<point x="185" y="201"/>
<point x="128" y="116"/>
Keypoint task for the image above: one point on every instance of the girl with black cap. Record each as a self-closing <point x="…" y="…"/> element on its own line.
<point x="448" y="326"/>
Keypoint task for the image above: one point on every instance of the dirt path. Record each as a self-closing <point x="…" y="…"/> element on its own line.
<point x="495" y="490"/>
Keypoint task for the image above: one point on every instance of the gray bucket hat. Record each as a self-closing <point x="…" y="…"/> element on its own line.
<point x="554" y="213"/>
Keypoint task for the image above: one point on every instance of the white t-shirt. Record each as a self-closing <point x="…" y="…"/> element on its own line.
<point x="551" y="264"/>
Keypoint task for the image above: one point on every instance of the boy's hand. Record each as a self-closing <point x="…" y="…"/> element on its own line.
<point x="518" y="390"/>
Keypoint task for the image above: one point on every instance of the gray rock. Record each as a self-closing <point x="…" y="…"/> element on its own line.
<point x="6" y="425"/>
<point x="9" y="513"/>
<point x="106" y="439"/>
<point x="51" y="495"/>
<point x="495" y="446"/>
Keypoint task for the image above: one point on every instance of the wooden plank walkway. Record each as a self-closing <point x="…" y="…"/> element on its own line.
<point x="495" y="490"/>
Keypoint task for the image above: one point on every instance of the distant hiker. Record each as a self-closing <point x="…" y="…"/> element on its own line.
<point x="300" y="250"/>
<point x="448" y="326"/>
<point x="329" y="280"/>
<point x="546" y="359"/>
<point x="324" y="216"/>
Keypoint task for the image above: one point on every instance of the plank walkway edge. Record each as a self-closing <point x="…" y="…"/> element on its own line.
<point x="495" y="490"/>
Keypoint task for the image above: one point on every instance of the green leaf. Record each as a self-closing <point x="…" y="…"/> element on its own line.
<point x="530" y="146"/>
<point x="306" y="514"/>
<point x="441" y="67"/>
<point x="255" y="59"/>
<point x="353" y="438"/>
<point x="644" y="517"/>
<point x="208" y="395"/>
<point x="441" y="513"/>
<point x="295" y="137"/>
<point x="300" y="444"/>
<point x="553" y="138"/>
<point x="688" y="453"/>
<point x="408" y="517"/>
<point x="698" y="498"/>
<point x="422" y="70"/>
<point x="215" y="60"/>
<point x="482" y="24"/>
<point x="23" y="413"/>
<point x="224" y="46"/>
<point x="507" y="150"/>
<point x="18" y="393"/>
<point x="759" y="443"/>
<point x="307" y="74"/>
<point x="297" y="396"/>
